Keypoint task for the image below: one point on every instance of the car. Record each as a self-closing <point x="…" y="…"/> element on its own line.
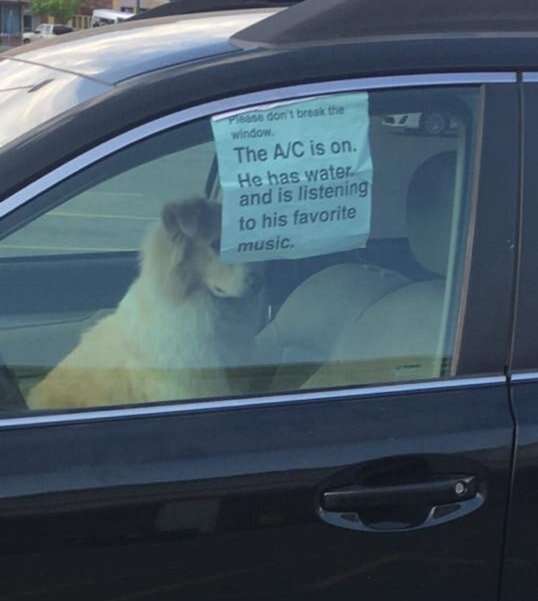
<point x="103" y="16"/>
<point x="433" y="124"/>
<point x="45" y="30"/>
<point x="343" y="320"/>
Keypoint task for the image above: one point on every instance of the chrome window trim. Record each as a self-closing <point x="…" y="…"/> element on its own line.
<point x="97" y="415"/>
<point x="525" y="376"/>
<point x="242" y="101"/>
<point x="530" y="76"/>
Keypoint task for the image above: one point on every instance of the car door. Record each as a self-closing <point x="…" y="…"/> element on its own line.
<point x="364" y="446"/>
<point x="520" y="576"/>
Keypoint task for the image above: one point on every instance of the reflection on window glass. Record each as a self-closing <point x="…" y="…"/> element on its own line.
<point x="114" y="214"/>
<point x="307" y="244"/>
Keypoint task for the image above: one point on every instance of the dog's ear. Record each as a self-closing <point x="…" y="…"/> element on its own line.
<point x="193" y="219"/>
<point x="181" y="219"/>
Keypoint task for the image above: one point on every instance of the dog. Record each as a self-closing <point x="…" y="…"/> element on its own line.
<point x="169" y="338"/>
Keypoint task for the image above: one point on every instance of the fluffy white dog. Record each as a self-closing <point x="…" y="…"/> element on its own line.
<point x="166" y="339"/>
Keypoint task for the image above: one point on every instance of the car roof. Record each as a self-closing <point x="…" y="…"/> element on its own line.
<point x="184" y="7"/>
<point x="114" y="53"/>
<point x="333" y="21"/>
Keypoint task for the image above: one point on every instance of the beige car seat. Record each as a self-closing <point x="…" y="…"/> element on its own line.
<point x="353" y="324"/>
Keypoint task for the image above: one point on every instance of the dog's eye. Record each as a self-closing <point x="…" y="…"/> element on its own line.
<point x="215" y="245"/>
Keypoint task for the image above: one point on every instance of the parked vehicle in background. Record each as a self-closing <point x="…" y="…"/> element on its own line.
<point x="432" y="123"/>
<point x="46" y="30"/>
<point x="104" y="16"/>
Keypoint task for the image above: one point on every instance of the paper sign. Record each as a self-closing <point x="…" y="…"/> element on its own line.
<point x="296" y="178"/>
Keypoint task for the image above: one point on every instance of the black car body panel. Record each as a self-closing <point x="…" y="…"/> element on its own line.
<point x="520" y="560"/>
<point x="224" y="504"/>
<point x="333" y="21"/>
<point x="224" y="498"/>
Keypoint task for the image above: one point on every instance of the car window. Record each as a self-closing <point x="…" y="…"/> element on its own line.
<point x="60" y="29"/>
<point x="307" y="244"/>
<point x="114" y="213"/>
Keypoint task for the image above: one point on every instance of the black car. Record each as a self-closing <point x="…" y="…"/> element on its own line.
<point x="255" y="343"/>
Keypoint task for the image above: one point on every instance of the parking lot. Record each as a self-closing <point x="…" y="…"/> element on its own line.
<point x="113" y="215"/>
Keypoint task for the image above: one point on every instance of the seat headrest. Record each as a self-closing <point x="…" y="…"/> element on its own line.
<point x="430" y="203"/>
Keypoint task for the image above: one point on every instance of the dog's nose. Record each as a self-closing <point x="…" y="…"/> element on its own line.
<point x="254" y="282"/>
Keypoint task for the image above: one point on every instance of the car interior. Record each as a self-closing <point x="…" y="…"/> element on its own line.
<point x="331" y="322"/>
<point x="383" y="313"/>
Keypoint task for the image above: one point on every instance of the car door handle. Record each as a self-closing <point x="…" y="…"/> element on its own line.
<point x="435" y="492"/>
<point x="436" y="501"/>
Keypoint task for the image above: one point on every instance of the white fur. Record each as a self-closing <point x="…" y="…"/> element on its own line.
<point x="163" y="342"/>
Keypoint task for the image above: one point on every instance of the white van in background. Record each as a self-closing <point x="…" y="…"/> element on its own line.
<point x="103" y="16"/>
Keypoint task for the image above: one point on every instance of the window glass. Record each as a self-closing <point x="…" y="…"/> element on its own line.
<point x="307" y="244"/>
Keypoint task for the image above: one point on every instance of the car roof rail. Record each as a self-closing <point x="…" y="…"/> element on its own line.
<point x="330" y="21"/>
<point x="185" y="7"/>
